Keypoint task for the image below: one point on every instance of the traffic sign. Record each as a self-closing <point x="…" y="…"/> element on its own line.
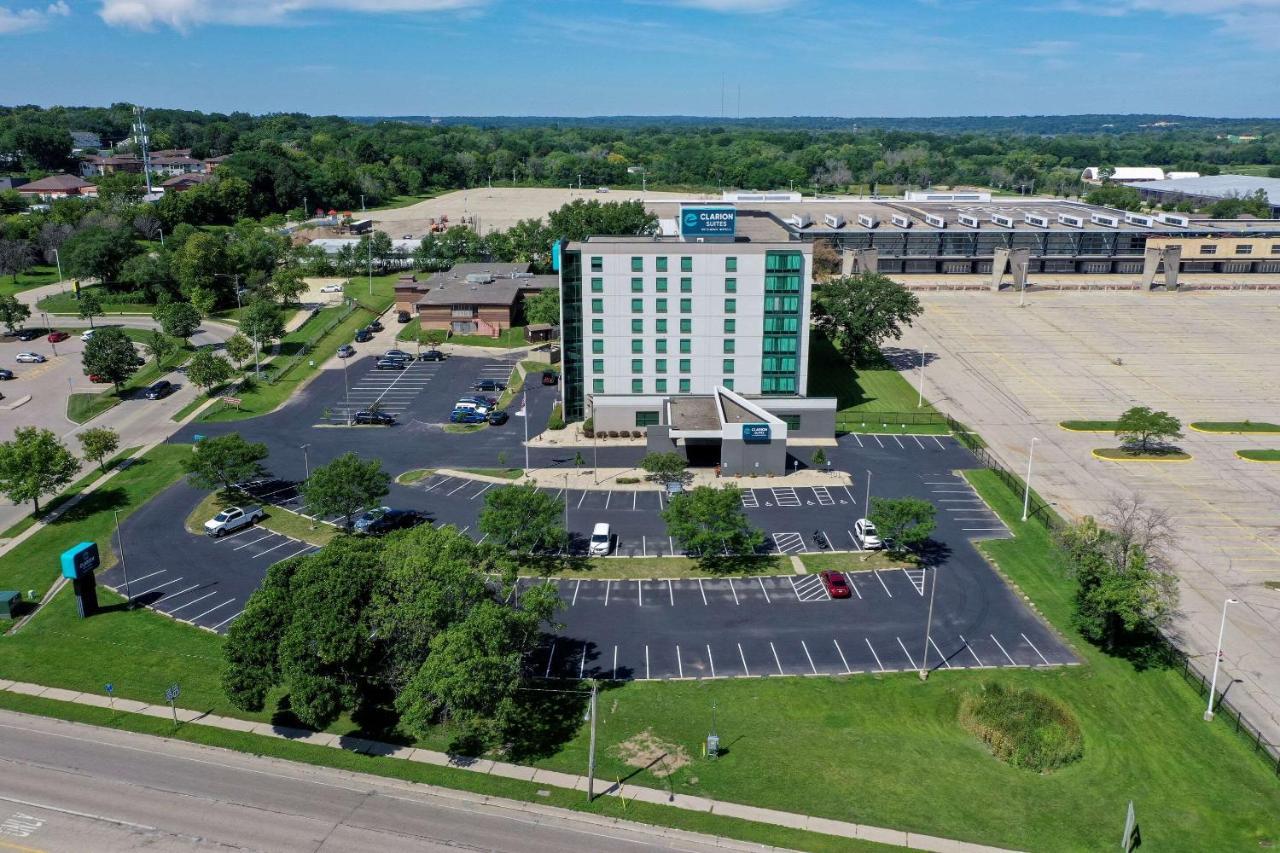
<point x="231" y="401"/>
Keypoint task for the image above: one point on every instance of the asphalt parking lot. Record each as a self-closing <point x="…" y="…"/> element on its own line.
<point x="423" y="392"/>
<point x="786" y="625"/>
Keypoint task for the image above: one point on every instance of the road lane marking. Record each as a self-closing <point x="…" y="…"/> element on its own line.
<point x="874" y="655"/>
<point x="703" y="591"/>
<point x="576" y="585"/>
<point x="765" y="591"/>
<point x="144" y="577"/>
<point x="613" y="676"/>
<point x="211" y="609"/>
<point x="917" y="441"/>
<point x="254" y="542"/>
<point x="193" y="601"/>
<point x="734" y="591"/>
<point x="941" y="446"/>
<point x="679" y="663"/>
<point x="646" y="662"/>
<point x="945" y="662"/>
<point x="607" y="586"/>
<point x="971" y="651"/>
<point x="154" y="588"/>
<point x="857" y="439"/>
<point x="640" y="593"/>
<point x="877" y="438"/>
<point x="287" y="541"/>
<point x="581" y="499"/>
<point x="901" y="446"/>
<point x="671" y="593"/>
<point x="711" y="661"/>
<point x="225" y="621"/>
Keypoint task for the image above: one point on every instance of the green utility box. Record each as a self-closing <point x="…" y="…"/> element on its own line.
<point x="9" y="601"/>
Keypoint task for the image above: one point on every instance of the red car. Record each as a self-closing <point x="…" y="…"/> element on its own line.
<point x="57" y="337"/>
<point x="837" y="586"/>
<point x="93" y="377"/>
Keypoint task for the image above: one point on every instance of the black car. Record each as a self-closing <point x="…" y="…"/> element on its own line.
<point x="363" y="336"/>
<point x="5" y="373"/>
<point x="432" y="355"/>
<point x="394" y="519"/>
<point x="402" y="317"/>
<point x="375" y="418"/>
<point x="389" y="364"/>
<point x="499" y="417"/>
<point x="160" y="390"/>
<point x="375" y="326"/>
<point x="488" y="385"/>
<point x="550" y="377"/>
<point x="28" y="334"/>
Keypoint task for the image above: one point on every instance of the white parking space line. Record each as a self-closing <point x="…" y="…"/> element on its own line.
<point x="679" y="662"/>
<point x="852" y="500"/>
<point x="859" y="440"/>
<point x="703" y="591"/>
<point x="550" y="657"/>
<point x="646" y="661"/>
<point x="809" y="656"/>
<point x="734" y="591"/>
<point x="582" y="663"/>
<point x="745" y="670"/>
<point x="765" y="591"/>
<point x="144" y="577"/>
<point x="613" y="676"/>
<point x="830" y="545"/>
<point x="749" y="499"/>
<point x="877" y="438"/>
<point x="607" y="586"/>
<point x="971" y="651"/>
<point x="785" y="496"/>
<point x="901" y="446"/>
<point x="945" y="662"/>
<point x="671" y="593"/>
<point x="254" y="542"/>
<point x="1034" y="649"/>
<point x="154" y="588"/>
<point x="788" y="543"/>
<point x="437" y="483"/>
<point x="824" y="496"/>
<point x="608" y="496"/>
<point x="917" y="441"/>
<point x="249" y="529"/>
<point x="193" y="601"/>
<point x="711" y="661"/>
<point x="172" y="594"/>
<point x="581" y="499"/>
<point x="575" y="592"/>
<point x="225" y="621"/>
<point x="286" y="541"/>
<point x="1006" y="654"/>
<point x="848" y="576"/>
<point x="487" y="487"/>
<point x="941" y="446"/>
<point x="902" y="646"/>
<point x="916" y="576"/>
<point x="876" y="572"/>
<point x="874" y="655"/>
<point x="775" y="658"/>
<point x="840" y="652"/>
<point x="462" y="486"/>
<point x="211" y="609"/>
<point x="635" y="496"/>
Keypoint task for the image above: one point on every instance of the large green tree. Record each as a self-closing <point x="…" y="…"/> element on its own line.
<point x="89" y="305"/>
<point x="34" y="463"/>
<point x="13" y="313"/>
<point x="543" y="307"/>
<point x="345" y="486"/>
<point x="224" y="460"/>
<point x="903" y="523"/>
<point x="16" y="256"/>
<point x="262" y="323"/>
<point x="110" y="354"/>
<point x="859" y="313"/>
<point x="665" y="468"/>
<point x="208" y="370"/>
<point x="98" y="253"/>
<point x="1144" y="430"/>
<point x="709" y="523"/>
<point x="178" y="319"/>
<point x="522" y="519"/>
<point x="99" y="443"/>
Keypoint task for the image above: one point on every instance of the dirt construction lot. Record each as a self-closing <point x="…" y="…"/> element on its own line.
<point x="497" y="208"/>
<point x="1014" y="373"/>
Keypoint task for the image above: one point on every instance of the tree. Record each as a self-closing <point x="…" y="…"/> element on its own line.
<point x="709" y="523"/>
<point x="902" y="523"/>
<point x="110" y="354"/>
<point x="287" y="285"/>
<point x="208" y="370"/>
<point x="580" y="219"/>
<point x="1118" y="196"/>
<point x="1126" y="590"/>
<point x="1142" y="430"/>
<point x="159" y="345"/>
<point x="665" y="468"/>
<point x="98" y="253"/>
<point x="522" y="519"/>
<point x="262" y="323"/>
<point x="819" y="458"/>
<point x="224" y="460"/>
<point x="16" y="256"/>
<point x="239" y="349"/>
<point x="34" y="464"/>
<point x="543" y="307"/>
<point x="178" y="319"/>
<point x="89" y="306"/>
<point x="98" y="444"/>
<point x="345" y="486"/>
<point x="13" y="313"/>
<point x="860" y="312"/>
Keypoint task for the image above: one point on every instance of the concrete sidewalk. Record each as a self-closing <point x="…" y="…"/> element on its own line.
<point x="826" y="826"/>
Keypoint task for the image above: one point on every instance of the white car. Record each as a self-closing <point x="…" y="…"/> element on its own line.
<point x="232" y="519"/>
<point x="865" y="532"/>
<point x="601" y="541"/>
<point x="331" y="288"/>
<point x="30" y="358"/>
<point x="88" y="334"/>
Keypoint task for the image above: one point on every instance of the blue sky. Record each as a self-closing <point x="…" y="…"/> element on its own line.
<point x="609" y="57"/>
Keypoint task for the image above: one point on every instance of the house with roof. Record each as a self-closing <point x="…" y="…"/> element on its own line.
<point x="56" y="187"/>
<point x="183" y="182"/>
<point x="471" y="299"/>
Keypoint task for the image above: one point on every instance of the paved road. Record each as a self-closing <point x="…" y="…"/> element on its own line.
<point x="70" y="787"/>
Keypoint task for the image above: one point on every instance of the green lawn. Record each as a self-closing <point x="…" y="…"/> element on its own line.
<point x="398" y="202"/>
<point x="1089" y="426"/>
<point x="504" y="473"/>
<point x="35" y="277"/>
<point x="66" y="303"/>
<point x="870" y="398"/>
<point x="512" y="337"/>
<point x="82" y="407"/>
<point x="1122" y="454"/>
<point x="383" y="290"/>
<point x="1234" y="426"/>
<point x="34" y="565"/>
<point x="93" y="473"/>
<point x="265" y="397"/>
<point x="1259" y="455"/>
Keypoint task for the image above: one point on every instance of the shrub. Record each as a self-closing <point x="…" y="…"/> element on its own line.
<point x="556" y="421"/>
<point x="613" y="433"/>
<point x="588" y="433"/>
<point x="635" y="433"/>
<point x="1023" y="728"/>
<point x="627" y="481"/>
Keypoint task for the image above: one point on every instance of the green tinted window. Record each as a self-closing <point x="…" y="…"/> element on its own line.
<point x="730" y="264"/>
<point x="637" y="344"/>
<point x="637" y="306"/>
<point x="729" y="345"/>
<point x="637" y="264"/>
<point x="660" y="386"/>
<point x="637" y="285"/>
<point x="637" y="326"/>
<point x="597" y="326"/>
<point x="684" y="386"/>
<point x="644" y="419"/>
<point x="661" y="284"/>
<point x="597" y="346"/>
<point x="597" y="285"/>
<point x="730" y="326"/>
<point x="597" y="306"/>
<point x="686" y="285"/>
<point x="660" y="325"/>
<point x="686" y="345"/>
<point x="637" y="386"/>
<point x="597" y="264"/>
<point x="660" y="306"/>
<point x="686" y="364"/>
<point x="728" y="365"/>
<point x="660" y="365"/>
<point x="597" y="386"/>
<point x="661" y="263"/>
<point x="597" y="365"/>
<point x="660" y="345"/>
<point x="730" y="285"/>
<point x="637" y="365"/>
<point x="730" y="306"/>
<point x="686" y="306"/>
<point x="686" y="264"/>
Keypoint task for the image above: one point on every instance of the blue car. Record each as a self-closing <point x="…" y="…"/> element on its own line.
<point x="467" y="416"/>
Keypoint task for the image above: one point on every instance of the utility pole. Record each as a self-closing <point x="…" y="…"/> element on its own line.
<point x="920" y="400"/>
<point x="591" y="756"/>
<point x="306" y="461"/>
<point x="1026" y="492"/>
<point x="867" y="505"/>
<point x="928" y="627"/>
<point x="1217" y="658"/>
<point x="124" y="566"/>
<point x="58" y="259"/>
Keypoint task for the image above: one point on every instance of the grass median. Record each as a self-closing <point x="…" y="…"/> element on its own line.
<point x="871" y="397"/>
<point x="1234" y="426"/>
<point x="1259" y="455"/>
<point x="1089" y="426"/>
<point x="278" y="520"/>
<point x="93" y="473"/>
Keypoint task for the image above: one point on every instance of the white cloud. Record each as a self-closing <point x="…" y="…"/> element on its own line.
<point x="1255" y="20"/>
<point x="187" y="14"/>
<point x="25" y="20"/>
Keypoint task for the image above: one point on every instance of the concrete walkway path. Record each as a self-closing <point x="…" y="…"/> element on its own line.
<point x="826" y="826"/>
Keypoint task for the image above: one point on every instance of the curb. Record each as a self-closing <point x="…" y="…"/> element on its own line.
<point x="1257" y="461"/>
<point x="1095" y="455"/>
<point x="1062" y="426"/>
<point x="1195" y="428"/>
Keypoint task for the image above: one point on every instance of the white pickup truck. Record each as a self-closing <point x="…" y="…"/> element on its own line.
<point x="232" y="519"/>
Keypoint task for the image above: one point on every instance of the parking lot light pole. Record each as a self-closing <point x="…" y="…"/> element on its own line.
<point x="1217" y="658"/>
<point x="124" y="567"/>
<point x="306" y="461"/>
<point x="1026" y="492"/>
<point x="920" y="400"/>
<point x="52" y="343"/>
<point x="58" y="259"/>
<point x="928" y="627"/>
<point x="866" y="508"/>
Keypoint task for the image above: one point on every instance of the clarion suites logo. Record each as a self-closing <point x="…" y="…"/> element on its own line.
<point x="708" y="221"/>
<point x="691" y="219"/>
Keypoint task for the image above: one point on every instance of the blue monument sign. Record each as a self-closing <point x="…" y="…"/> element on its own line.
<point x="708" y="221"/>
<point x="757" y="433"/>
<point x="79" y="564"/>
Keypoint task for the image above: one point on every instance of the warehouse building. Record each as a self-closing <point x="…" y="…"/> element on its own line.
<point x="1209" y="189"/>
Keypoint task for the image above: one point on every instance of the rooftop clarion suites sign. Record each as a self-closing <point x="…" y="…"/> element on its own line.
<point x="708" y="221"/>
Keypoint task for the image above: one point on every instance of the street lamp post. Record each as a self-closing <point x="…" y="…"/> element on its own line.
<point x="867" y="506"/>
<point x="52" y="343"/>
<point x="124" y="566"/>
<point x="306" y="461"/>
<point x="1217" y="658"/>
<point x="928" y="627"/>
<point x="920" y="400"/>
<point x="1026" y="492"/>
<point x="58" y="259"/>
